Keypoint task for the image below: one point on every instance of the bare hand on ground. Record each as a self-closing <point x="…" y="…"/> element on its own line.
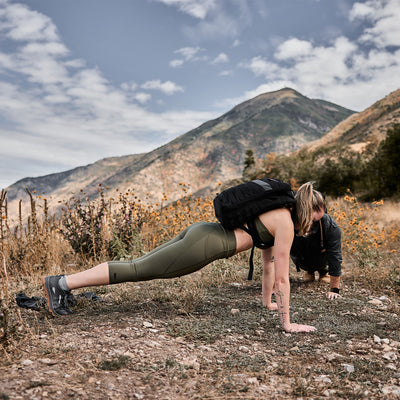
<point x="300" y="328"/>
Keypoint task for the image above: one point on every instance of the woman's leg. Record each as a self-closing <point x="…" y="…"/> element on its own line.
<point x="192" y="249"/>
<point x="96" y="276"/>
<point x="195" y="247"/>
<point x="99" y="275"/>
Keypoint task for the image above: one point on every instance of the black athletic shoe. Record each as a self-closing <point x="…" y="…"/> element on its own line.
<point x="55" y="296"/>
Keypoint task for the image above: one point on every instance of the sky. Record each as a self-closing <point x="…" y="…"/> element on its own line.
<point x="81" y="80"/>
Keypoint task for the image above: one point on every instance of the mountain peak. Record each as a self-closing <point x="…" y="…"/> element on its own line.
<point x="279" y="122"/>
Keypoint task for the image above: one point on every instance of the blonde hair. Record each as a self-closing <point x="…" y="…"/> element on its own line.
<point x="307" y="200"/>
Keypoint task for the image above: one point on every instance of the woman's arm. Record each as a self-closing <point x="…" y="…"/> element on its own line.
<point x="268" y="278"/>
<point x="284" y="233"/>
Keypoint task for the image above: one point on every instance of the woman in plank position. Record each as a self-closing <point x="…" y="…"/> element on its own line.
<point x="199" y="245"/>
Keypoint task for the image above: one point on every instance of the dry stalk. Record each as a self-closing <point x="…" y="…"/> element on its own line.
<point x="4" y="298"/>
<point x="2" y="206"/>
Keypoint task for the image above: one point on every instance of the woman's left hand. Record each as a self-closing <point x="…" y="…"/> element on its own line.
<point x="299" y="328"/>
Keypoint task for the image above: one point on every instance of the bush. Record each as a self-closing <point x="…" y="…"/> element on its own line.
<point x="382" y="173"/>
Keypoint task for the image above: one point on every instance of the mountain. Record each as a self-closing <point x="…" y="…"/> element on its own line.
<point x="279" y="122"/>
<point x="362" y="132"/>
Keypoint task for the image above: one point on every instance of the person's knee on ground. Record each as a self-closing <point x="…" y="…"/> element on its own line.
<point x="309" y="276"/>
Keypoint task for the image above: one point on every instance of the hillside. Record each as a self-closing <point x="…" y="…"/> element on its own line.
<point x="280" y="122"/>
<point x="364" y="130"/>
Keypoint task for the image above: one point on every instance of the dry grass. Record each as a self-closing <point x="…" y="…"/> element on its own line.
<point x="180" y="337"/>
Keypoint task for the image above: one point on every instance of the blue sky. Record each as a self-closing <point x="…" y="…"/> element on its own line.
<point x="81" y="80"/>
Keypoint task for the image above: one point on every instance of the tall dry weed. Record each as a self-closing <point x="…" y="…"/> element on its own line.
<point x="370" y="241"/>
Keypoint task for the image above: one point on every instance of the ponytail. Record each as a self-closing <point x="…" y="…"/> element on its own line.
<point x="307" y="200"/>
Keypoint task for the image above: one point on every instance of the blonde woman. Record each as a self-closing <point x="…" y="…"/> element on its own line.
<point x="199" y="245"/>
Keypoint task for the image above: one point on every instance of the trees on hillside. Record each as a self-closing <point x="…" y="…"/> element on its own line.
<point x="382" y="173"/>
<point x="341" y="170"/>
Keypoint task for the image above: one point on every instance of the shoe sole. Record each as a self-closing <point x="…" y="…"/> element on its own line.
<point x="46" y="292"/>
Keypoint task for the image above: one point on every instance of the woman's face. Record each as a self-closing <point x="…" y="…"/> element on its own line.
<point x="317" y="215"/>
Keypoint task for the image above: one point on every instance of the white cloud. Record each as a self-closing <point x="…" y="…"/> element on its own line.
<point x="293" y="48"/>
<point x="129" y="86"/>
<point x="142" y="97"/>
<point x="236" y="43"/>
<point x="385" y="17"/>
<point x="341" y="72"/>
<point x="23" y="24"/>
<point x="221" y="58"/>
<point x="187" y="54"/>
<point x="195" y="8"/>
<point x="261" y="67"/>
<point x="220" y="24"/>
<point x="59" y="112"/>
<point x="167" y="87"/>
<point x="176" y="63"/>
<point x="227" y="72"/>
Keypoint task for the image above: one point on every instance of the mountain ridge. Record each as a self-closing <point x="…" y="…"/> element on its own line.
<point x="280" y="121"/>
<point x="363" y="130"/>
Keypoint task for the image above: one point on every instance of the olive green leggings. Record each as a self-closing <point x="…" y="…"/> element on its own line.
<point x="194" y="248"/>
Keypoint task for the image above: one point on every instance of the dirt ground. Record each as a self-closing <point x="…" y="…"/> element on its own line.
<point x="224" y="345"/>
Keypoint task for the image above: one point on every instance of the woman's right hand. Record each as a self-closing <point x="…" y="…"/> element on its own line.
<point x="299" y="328"/>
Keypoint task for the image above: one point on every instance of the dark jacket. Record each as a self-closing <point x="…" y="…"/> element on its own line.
<point x="308" y="254"/>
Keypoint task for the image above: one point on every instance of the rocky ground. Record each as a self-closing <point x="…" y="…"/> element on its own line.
<point x="213" y="343"/>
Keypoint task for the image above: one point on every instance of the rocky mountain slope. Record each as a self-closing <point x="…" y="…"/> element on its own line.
<point x="364" y="130"/>
<point x="280" y="122"/>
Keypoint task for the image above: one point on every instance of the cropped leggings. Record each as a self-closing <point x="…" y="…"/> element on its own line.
<point x="194" y="248"/>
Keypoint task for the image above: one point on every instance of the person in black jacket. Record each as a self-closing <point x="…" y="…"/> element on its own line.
<point x="320" y="251"/>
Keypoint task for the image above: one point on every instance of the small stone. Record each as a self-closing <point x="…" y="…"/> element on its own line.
<point x="391" y="356"/>
<point x="235" y="311"/>
<point x="47" y="361"/>
<point x="377" y="339"/>
<point x="253" y="381"/>
<point x="349" y="368"/>
<point x="376" y="302"/>
<point x="27" y="363"/>
<point x="332" y="356"/>
<point x="191" y="363"/>
<point x="391" y="390"/>
<point x="386" y="348"/>
<point x="147" y="324"/>
<point x="323" y="378"/>
<point x="244" y="349"/>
